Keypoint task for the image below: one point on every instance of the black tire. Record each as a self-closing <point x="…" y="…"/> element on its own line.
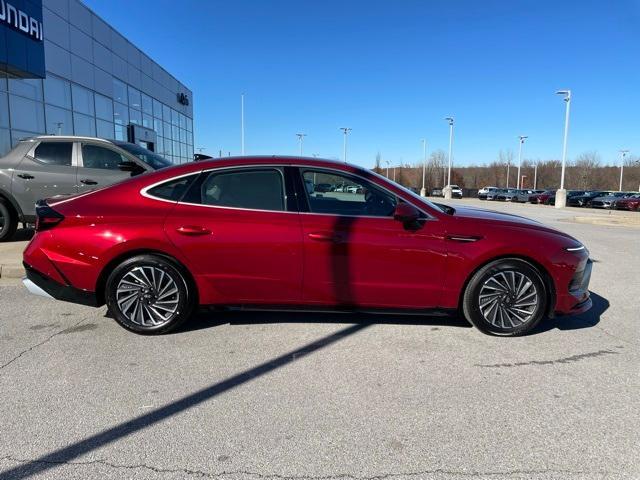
<point x="156" y="311"/>
<point x="8" y="221"/>
<point x="481" y="283"/>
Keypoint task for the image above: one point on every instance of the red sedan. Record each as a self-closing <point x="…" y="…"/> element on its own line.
<point x="254" y="232"/>
<point x="629" y="203"/>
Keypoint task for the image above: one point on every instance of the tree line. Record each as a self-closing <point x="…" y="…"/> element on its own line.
<point x="585" y="172"/>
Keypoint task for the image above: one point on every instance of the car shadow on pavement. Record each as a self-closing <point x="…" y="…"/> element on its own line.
<point x="209" y="319"/>
<point x="588" y="319"/>
<point x="22" y="235"/>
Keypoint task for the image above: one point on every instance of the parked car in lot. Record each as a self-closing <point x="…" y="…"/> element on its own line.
<point x="570" y="193"/>
<point x="542" y="198"/>
<point x="323" y="187"/>
<point x="456" y="191"/>
<point x="630" y="203"/>
<point x="483" y="192"/>
<point x="45" y="166"/>
<point x="493" y="195"/>
<point x="246" y="232"/>
<point x="507" y="195"/>
<point x="437" y="192"/>
<point x="607" y="200"/>
<point x="586" y="198"/>
<point x="524" y="195"/>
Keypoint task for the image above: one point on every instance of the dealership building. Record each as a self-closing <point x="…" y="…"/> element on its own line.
<point x="65" y="71"/>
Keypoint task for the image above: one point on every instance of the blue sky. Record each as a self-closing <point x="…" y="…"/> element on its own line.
<point x="392" y="70"/>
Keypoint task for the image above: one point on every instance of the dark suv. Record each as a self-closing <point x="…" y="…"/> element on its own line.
<point x="44" y="166"/>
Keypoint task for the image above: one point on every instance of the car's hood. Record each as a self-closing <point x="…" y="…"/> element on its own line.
<point x="506" y="219"/>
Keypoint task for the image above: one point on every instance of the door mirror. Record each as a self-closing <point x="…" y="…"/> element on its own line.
<point x="408" y="215"/>
<point x="129" y="166"/>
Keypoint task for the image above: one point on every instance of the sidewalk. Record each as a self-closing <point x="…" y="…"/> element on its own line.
<point x="11" y="255"/>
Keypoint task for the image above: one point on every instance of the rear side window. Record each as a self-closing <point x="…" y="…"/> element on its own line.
<point x="258" y="189"/>
<point x="94" y="156"/>
<point x="172" y="190"/>
<point x="54" y="153"/>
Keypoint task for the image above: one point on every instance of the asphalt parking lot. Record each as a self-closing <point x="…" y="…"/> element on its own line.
<point x="328" y="396"/>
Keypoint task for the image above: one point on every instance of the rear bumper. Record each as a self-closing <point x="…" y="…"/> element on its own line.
<point x="40" y="284"/>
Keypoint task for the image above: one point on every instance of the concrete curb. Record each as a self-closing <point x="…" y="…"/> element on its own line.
<point x="12" y="271"/>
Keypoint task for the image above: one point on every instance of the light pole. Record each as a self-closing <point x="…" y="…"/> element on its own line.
<point x="387" y="162"/>
<point x="535" y="175"/>
<point x="423" y="191"/>
<point x="447" y="190"/>
<point x="561" y="194"/>
<point x="623" y="154"/>
<point x="300" y="138"/>
<point x="508" y="166"/>
<point x="346" y="131"/>
<point x="521" y="138"/>
<point x="242" y="123"/>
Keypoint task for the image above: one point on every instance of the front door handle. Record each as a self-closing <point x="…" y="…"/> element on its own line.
<point x="88" y="181"/>
<point x="193" y="230"/>
<point x="324" y="237"/>
<point x="25" y="176"/>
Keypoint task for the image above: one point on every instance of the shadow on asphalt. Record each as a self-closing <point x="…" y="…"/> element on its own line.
<point x="22" y="235"/>
<point x="587" y="319"/>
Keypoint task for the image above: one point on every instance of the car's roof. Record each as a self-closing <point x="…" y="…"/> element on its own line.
<point x="271" y="159"/>
<point x="72" y="138"/>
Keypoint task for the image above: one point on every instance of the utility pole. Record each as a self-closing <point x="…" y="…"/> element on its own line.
<point x="300" y="138"/>
<point x="447" y="190"/>
<point x="623" y="154"/>
<point x="242" y="124"/>
<point x="521" y="139"/>
<point x="535" y="175"/>
<point x="423" y="191"/>
<point x="561" y="194"/>
<point x="346" y="131"/>
<point x="387" y="162"/>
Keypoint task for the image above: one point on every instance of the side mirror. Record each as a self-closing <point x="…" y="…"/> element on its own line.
<point x="129" y="166"/>
<point x="408" y="215"/>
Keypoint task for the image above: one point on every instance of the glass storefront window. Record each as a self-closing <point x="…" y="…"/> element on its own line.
<point x="167" y="129"/>
<point x="160" y="145"/>
<point x="104" y="129"/>
<point x="176" y="148"/>
<point x="190" y="138"/>
<point x="157" y="109"/>
<point x="119" y="91"/>
<point x="82" y="100"/>
<point x="166" y="113"/>
<point x="167" y="146"/>
<point x="189" y="125"/>
<point x="3" y="82"/>
<point x="104" y="107"/>
<point x="59" y="120"/>
<point x="157" y="126"/>
<point x="57" y="92"/>
<point x="183" y="121"/>
<point x="147" y="120"/>
<point x="147" y="104"/>
<point x="134" y="98"/>
<point x="120" y="114"/>
<point x="84" y="125"/>
<point x="135" y="116"/>
<point x="4" y="110"/>
<point x="183" y="136"/>
<point x="5" y="139"/>
<point x="120" y="132"/>
<point x="26" y="114"/>
<point x="183" y="150"/>
<point x="29" y="88"/>
<point x="175" y="132"/>
<point x="17" y="135"/>
<point x="174" y="118"/>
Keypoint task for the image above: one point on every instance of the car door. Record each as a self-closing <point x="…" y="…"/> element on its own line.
<point x="98" y="166"/>
<point x="48" y="169"/>
<point x="356" y="254"/>
<point x="242" y="236"/>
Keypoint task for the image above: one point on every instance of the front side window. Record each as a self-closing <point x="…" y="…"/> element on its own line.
<point x="94" y="156"/>
<point x="54" y="153"/>
<point x="259" y="189"/>
<point x="338" y="194"/>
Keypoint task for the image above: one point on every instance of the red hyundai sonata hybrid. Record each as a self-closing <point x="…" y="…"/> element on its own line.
<point x="274" y="232"/>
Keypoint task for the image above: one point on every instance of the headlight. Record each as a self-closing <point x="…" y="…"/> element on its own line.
<point x="575" y="249"/>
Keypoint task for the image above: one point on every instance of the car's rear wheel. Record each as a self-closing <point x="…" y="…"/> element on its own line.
<point x="8" y="221"/>
<point x="506" y="297"/>
<point x="149" y="294"/>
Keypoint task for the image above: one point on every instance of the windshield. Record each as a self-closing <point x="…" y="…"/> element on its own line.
<point x="154" y="160"/>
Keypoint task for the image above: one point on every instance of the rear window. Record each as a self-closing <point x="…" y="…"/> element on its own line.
<point x="173" y="190"/>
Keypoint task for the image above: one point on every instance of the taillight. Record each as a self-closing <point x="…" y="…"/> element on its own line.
<point x="46" y="217"/>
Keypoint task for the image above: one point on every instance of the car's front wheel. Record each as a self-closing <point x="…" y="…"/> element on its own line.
<point x="506" y="297"/>
<point x="149" y="294"/>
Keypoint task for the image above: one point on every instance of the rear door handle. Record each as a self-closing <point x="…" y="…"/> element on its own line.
<point x="25" y="176"/>
<point x="88" y="181"/>
<point x="193" y="230"/>
<point x="324" y="237"/>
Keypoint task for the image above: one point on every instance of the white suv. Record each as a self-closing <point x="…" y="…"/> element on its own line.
<point x="456" y="191"/>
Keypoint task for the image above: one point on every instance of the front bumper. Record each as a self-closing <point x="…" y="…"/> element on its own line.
<point x="39" y="284"/>
<point x="577" y="299"/>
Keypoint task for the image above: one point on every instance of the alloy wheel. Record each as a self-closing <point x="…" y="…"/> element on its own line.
<point x="148" y="296"/>
<point x="508" y="299"/>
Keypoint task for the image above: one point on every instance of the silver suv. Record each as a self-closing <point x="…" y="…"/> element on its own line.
<point x="44" y="166"/>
